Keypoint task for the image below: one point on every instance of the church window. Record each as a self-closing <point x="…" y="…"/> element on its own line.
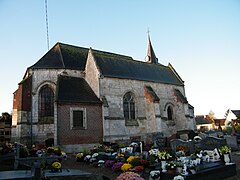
<point x="129" y="106"/>
<point x="46" y="105"/>
<point x="78" y="118"/>
<point x="170" y="113"/>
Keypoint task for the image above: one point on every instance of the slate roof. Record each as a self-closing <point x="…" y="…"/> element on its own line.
<point x="127" y="68"/>
<point x="236" y="112"/>
<point x="181" y="97"/>
<point x="73" y="89"/>
<point x="152" y="93"/>
<point x="110" y="64"/>
<point x="63" y="56"/>
<point x="202" y="120"/>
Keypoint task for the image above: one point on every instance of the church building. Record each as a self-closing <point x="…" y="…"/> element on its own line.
<point x="76" y="97"/>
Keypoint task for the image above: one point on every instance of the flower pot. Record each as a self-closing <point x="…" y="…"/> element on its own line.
<point x="163" y="166"/>
<point x="226" y="158"/>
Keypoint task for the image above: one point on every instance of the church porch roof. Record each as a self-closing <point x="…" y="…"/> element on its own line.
<point x="73" y="89"/>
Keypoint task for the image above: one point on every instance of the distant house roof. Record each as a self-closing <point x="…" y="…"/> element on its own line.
<point x="236" y="112"/>
<point x="221" y="121"/>
<point x="63" y="56"/>
<point x="72" y="89"/>
<point x="202" y="120"/>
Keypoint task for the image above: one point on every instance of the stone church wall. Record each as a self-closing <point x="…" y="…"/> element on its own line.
<point x="151" y="117"/>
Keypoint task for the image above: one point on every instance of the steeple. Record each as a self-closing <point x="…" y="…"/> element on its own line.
<point x="151" y="58"/>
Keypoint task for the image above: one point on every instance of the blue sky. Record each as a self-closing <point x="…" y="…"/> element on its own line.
<point x="200" y="38"/>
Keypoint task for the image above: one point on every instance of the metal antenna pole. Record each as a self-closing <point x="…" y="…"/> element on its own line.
<point x="47" y="24"/>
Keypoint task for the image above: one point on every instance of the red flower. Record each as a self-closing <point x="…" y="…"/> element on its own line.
<point x="138" y="168"/>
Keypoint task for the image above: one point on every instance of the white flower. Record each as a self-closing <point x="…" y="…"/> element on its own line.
<point x="153" y="152"/>
<point x="155" y="173"/>
<point x="94" y="155"/>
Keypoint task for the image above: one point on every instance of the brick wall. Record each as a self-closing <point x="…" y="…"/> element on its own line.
<point x="94" y="131"/>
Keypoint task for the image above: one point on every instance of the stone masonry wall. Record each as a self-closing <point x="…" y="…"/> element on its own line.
<point x="114" y="89"/>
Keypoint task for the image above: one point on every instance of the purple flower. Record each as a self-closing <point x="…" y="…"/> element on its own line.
<point x="109" y="163"/>
<point x="117" y="166"/>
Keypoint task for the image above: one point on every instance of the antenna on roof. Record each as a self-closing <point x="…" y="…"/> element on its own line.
<point x="47" y="23"/>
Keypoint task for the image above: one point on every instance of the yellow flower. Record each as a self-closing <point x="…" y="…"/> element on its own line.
<point x="224" y="150"/>
<point x="120" y="155"/>
<point x="79" y="155"/>
<point x="131" y="158"/>
<point x="126" y="167"/>
<point x="56" y="165"/>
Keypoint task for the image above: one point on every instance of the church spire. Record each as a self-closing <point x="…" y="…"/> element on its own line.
<point x="151" y="58"/>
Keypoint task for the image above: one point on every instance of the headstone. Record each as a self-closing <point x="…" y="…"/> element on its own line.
<point x="175" y="143"/>
<point x="231" y="141"/>
<point x="159" y="140"/>
<point x="210" y="143"/>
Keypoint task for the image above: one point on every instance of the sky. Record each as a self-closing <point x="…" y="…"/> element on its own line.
<point x="200" y="38"/>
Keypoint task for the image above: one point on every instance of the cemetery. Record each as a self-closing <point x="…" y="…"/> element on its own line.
<point x="184" y="156"/>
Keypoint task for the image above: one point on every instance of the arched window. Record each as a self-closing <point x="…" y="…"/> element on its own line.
<point x="170" y="113"/>
<point x="46" y="104"/>
<point x="129" y="106"/>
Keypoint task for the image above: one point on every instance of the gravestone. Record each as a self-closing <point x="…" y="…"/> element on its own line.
<point x="175" y="143"/>
<point x="210" y="143"/>
<point x="231" y="141"/>
<point x="159" y="140"/>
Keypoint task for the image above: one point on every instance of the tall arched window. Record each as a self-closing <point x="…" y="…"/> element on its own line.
<point x="46" y="104"/>
<point x="129" y="106"/>
<point x="170" y="113"/>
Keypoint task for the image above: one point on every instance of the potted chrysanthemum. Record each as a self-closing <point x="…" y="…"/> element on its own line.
<point x="225" y="152"/>
<point x="163" y="156"/>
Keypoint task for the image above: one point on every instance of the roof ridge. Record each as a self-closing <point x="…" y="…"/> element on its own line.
<point x="61" y="55"/>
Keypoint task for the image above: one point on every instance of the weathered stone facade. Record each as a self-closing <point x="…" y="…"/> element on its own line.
<point x="160" y="103"/>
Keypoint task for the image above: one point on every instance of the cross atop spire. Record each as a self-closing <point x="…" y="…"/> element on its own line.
<point x="151" y="58"/>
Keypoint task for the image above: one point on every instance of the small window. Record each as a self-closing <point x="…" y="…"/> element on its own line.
<point x="78" y="118"/>
<point x="129" y="106"/>
<point x="170" y="113"/>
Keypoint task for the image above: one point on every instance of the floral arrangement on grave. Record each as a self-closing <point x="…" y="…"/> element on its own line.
<point x="180" y="153"/>
<point x="80" y="156"/>
<point x="138" y="168"/>
<point x="56" y="166"/>
<point x="163" y="155"/>
<point x="144" y="162"/>
<point x="183" y="148"/>
<point x="224" y="150"/>
<point x="155" y="174"/>
<point x="109" y="163"/>
<point x="171" y="165"/>
<point x="130" y="176"/>
<point x="117" y="166"/>
<point x="120" y="157"/>
<point x="125" y="167"/>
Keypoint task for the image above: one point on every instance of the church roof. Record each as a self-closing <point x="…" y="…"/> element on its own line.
<point x="63" y="56"/>
<point x="137" y="70"/>
<point x="73" y="89"/>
